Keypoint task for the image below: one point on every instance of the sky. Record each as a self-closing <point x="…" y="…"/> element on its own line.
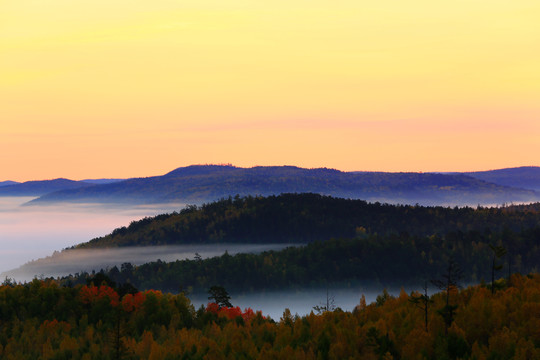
<point x="125" y="88"/>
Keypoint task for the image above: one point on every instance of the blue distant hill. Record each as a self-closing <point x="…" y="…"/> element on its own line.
<point x="8" y="182"/>
<point x="204" y="183"/>
<point x="525" y="177"/>
<point x="101" y="181"/>
<point x="42" y="187"/>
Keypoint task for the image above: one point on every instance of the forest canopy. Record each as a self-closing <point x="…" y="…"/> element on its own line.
<point x="42" y="320"/>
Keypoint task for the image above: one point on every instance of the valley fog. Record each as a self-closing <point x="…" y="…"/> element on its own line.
<point x="31" y="232"/>
<point x="301" y="302"/>
<point x="79" y="260"/>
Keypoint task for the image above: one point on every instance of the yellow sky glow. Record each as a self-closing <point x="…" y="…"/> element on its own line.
<point x="121" y="88"/>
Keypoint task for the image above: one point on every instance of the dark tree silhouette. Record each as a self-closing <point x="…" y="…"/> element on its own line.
<point x="100" y="279"/>
<point x="220" y="296"/>
<point x="329" y="305"/>
<point x="448" y="284"/>
<point x="498" y="252"/>
<point x="423" y="302"/>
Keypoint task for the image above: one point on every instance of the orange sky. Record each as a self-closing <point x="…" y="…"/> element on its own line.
<point x="122" y="88"/>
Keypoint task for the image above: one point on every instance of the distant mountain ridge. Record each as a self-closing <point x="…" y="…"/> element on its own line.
<point x="38" y="188"/>
<point x="203" y="183"/>
<point x="101" y="181"/>
<point x="525" y="177"/>
<point x="8" y="182"/>
<point x="42" y="187"/>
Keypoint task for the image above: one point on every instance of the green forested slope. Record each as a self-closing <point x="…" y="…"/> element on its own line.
<point x="390" y="260"/>
<point x="309" y="217"/>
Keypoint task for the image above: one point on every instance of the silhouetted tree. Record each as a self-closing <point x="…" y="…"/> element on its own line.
<point x="220" y="296"/>
<point x="498" y="252"/>
<point x="449" y="283"/>
<point x="422" y="302"/>
<point x="328" y="306"/>
<point x="101" y="279"/>
<point x="127" y="288"/>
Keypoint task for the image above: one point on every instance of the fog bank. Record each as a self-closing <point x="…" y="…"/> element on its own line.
<point x="32" y="232"/>
<point x="79" y="260"/>
<point x="301" y="302"/>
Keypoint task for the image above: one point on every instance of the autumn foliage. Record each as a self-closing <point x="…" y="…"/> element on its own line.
<point x="41" y="320"/>
<point x="132" y="302"/>
<point x="232" y="312"/>
<point x="91" y="294"/>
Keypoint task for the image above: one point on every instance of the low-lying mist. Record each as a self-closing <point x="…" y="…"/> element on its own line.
<point x="79" y="260"/>
<point x="301" y="301"/>
<point x="32" y="232"/>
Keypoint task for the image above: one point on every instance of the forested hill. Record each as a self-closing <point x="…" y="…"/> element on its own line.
<point x="372" y="260"/>
<point x="38" y="188"/>
<point x="309" y="217"/>
<point x="525" y="177"/>
<point x="7" y="183"/>
<point x="204" y="183"/>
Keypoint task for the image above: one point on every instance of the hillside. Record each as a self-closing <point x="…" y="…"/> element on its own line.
<point x="202" y="183"/>
<point x="41" y="187"/>
<point x="367" y="260"/>
<point x="526" y="177"/>
<point x="8" y="182"/>
<point x="302" y="218"/>
<point x="263" y="223"/>
<point x="105" y="321"/>
<point x="101" y="181"/>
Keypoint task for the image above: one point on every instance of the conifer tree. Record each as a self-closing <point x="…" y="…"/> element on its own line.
<point x="498" y="252"/>
<point x="423" y="302"/>
<point x="220" y="296"/>
<point x="448" y="284"/>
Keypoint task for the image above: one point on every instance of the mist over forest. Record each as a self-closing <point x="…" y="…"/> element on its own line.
<point x="29" y="233"/>
<point x="241" y="180"/>
<point x="63" y="263"/>
<point x="297" y="257"/>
